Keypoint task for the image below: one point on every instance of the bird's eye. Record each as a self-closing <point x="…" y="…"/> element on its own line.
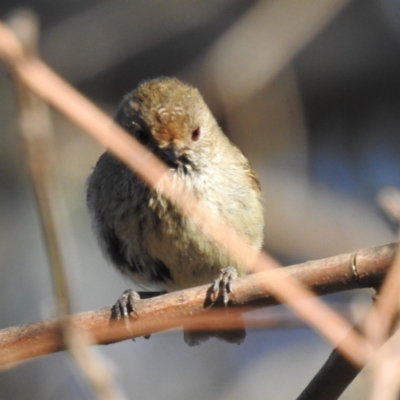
<point x="142" y="136"/>
<point x="196" y="135"/>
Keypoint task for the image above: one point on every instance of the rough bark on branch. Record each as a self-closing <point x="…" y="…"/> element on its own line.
<point x="362" y="269"/>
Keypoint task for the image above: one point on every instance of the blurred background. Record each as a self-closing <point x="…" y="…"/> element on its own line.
<point x="309" y="90"/>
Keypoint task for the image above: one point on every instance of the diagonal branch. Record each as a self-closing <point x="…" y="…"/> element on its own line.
<point x="332" y="379"/>
<point x="329" y="275"/>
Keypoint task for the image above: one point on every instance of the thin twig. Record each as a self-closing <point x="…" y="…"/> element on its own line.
<point x="323" y="276"/>
<point x="332" y="379"/>
<point x="36" y="129"/>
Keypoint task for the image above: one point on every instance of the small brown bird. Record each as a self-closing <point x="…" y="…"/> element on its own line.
<point x="142" y="233"/>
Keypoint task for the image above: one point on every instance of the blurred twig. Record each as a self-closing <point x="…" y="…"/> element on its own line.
<point x="337" y="372"/>
<point x="36" y="129"/>
<point x="384" y="316"/>
<point x="389" y="200"/>
<point x="263" y="42"/>
<point x="384" y="369"/>
<point x="324" y="276"/>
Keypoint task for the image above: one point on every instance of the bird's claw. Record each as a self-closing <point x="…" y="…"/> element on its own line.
<point x="221" y="288"/>
<point x="125" y="307"/>
<point x="224" y="284"/>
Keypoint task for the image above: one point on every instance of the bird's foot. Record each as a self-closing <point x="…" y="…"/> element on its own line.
<point x="125" y="307"/>
<point x="220" y="289"/>
<point x="223" y="285"/>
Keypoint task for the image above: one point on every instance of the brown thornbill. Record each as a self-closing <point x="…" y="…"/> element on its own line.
<point x="141" y="232"/>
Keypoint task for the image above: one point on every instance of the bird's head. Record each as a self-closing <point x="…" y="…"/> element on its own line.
<point x="170" y="118"/>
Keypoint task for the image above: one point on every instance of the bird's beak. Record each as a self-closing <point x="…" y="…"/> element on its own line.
<point x="169" y="155"/>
